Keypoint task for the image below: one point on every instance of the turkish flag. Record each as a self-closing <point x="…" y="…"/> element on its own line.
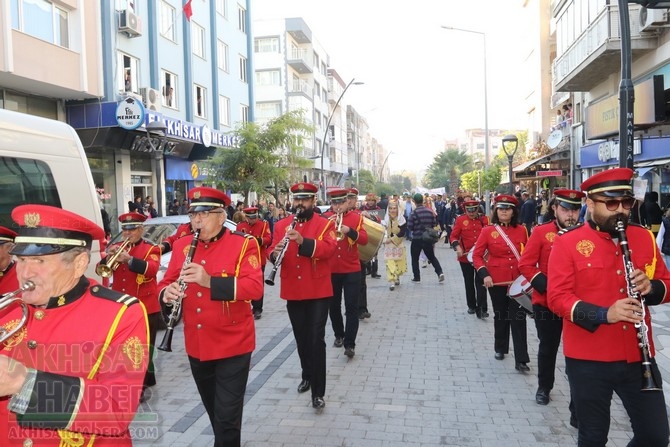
<point x="188" y="10"/>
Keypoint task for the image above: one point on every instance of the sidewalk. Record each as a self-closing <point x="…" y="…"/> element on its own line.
<point x="423" y="375"/>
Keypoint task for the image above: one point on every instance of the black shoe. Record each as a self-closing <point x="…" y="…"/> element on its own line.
<point x="416" y="279"/>
<point x="146" y="395"/>
<point x="471" y="311"/>
<point x="485" y="314"/>
<point x="361" y="316"/>
<point x="500" y="356"/>
<point x="573" y="421"/>
<point x="318" y="403"/>
<point x="440" y="277"/>
<point x="366" y="314"/>
<point x="521" y="367"/>
<point x="339" y="341"/>
<point x="257" y="314"/>
<point x="542" y="396"/>
<point x="374" y="275"/>
<point x="349" y="352"/>
<point x="304" y="386"/>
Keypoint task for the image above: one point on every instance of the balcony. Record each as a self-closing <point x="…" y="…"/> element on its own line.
<point x="298" y="60"/>
<point x="299" y="30"/>
<point x="597" y="52"/>
<point x="300" y="87"/>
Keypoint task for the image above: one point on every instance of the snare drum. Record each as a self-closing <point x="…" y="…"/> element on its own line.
<point x="521" y="290"/>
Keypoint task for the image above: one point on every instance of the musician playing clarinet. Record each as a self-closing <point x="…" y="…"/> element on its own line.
<point x="305" y="273"/>
<point x="221" y="280"/>
<point x="599" y="296"/>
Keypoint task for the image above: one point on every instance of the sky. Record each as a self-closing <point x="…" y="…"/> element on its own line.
<point x="423" y="85"/>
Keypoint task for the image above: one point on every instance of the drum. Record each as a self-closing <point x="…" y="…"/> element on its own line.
<point x="521" y="290"/>
<point x="375" y="237"/>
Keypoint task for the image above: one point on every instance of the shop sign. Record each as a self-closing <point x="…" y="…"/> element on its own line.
<point x="130" y="113"/>
<point x="554" y="173"/>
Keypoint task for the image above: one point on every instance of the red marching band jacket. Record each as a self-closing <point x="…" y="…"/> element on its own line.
<point x="587" y="273"/>
<point x="347" y="259"/>
<point x="502" y="265"/>
<point x="217" y="321"/>
<point x="534" y="263"/>
<point x="261" y="231"/>
<point x="465" y="232"/>
<point x="305" y="270"/>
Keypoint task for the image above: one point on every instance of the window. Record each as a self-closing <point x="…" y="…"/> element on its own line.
<point x="244" y="113"/>
<point x="243" y="69"/>
<point x="169" y="89"/>
<point x="317" y="89"/>
<point x="222" y="55"/>
<point x="266" y="45"/>
<point x="221" y="8"/>
<point x="129" y="73"/>
<point x="200" y="93"/>
<point x="316" y="59"/>
<point x="167" y="19"/>
<point x="242" y="19"/>
<point x="224" y="111"/>
<point x="268" y="110"/>
<point x="43" y="20"/>
<point x="198" y="40"/>
<point x="268" y="77"/>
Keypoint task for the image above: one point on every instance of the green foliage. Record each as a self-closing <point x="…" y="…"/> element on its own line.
<point x="446" y="169"/>
<point x="366" y="182"/>
<point x="476" y="182"/>
<point x="400" y="184"/>
<point x="384" y="188"/>
<point x="268" y="155"/>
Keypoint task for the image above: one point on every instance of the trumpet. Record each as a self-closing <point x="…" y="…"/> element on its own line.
<point x="338" y="226"/>
<point x="11" y="298"/>
<point x="107" y="269"/>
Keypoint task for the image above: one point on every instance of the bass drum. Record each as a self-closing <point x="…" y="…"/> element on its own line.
<point x="375" y="237"/>
<point x="521" y="290"/>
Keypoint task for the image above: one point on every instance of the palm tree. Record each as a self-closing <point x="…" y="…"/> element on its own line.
<point x="446" y="169"/>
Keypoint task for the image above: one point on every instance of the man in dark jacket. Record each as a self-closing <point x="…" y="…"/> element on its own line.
<point x="527" y="214"/>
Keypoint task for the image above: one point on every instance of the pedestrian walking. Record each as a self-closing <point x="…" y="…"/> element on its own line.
<point x="420" y="221"/>
<point x="395" y="254"/>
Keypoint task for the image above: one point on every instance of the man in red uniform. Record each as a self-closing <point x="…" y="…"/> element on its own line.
<point x="346" y="269"/>
<point x="8" y="281"/>
<point x="260" y="229"/>
<point x="463" y="237"/>
<point x="72" y="375"/>
<point x="224" y="275"/>
<point x="135" y="275"/>
<point x="533" y="265"/>
<point x="590" y="286"/>
<point x="307" y="241"/>
<point x="184" y="229"/>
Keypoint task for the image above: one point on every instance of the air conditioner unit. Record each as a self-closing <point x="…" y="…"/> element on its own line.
<point x="651" y="19"/>
<point x="151" y="98"/>
<point x="130" y="24"/>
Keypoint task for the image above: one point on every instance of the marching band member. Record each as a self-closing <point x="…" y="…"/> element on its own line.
<point x="534" y="265"/>
<point x="464" y="234"/>
<point x="260" y="229"/>
<point x="498" y="272"/>
<point x="308" y="241"/>
<point x="136" y="276"/>
<point x="596" y="283"/>
<point x="346" y="271"/>
<point x="8" y="281"/>
<point x="216" y="287"/>
<point x="72" y="375"/>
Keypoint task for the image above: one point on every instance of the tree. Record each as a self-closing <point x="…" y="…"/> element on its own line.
<point x="366" y="182"/>
<point x="446" y="169"/>
<point x="268" y="155"/>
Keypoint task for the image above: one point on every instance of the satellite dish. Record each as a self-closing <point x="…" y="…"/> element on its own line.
<point x="554" y="138"/>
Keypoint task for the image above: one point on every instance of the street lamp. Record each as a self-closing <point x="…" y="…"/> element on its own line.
<point x="157" y="129"/>
<point x="510" y="143"/>
<point x="325" y="133"/>
<point x="486" y="108"/>
<point x="381" y="171"/>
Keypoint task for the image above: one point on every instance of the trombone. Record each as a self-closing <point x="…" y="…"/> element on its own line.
<point x="107" y="269"/>
<point x="9" y="299"/>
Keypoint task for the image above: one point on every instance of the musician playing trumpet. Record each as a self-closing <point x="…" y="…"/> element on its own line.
<point x="305" y="283"/>
<point x="221" y="280"/>
<point x="592" y="287"/>
<point x="137" y="264"/>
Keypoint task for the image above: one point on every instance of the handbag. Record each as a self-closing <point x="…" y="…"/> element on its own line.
<point x="430" y="235"/>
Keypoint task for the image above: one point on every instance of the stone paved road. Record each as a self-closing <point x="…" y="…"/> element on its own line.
<point x="423" y="375"/>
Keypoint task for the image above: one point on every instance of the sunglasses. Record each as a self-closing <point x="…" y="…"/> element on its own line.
<point x="471" y="209"/>
<point x="613" y="204"/>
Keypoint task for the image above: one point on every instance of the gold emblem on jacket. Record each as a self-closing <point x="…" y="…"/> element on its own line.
<point x="550" y="236"/>
<point x="134" y="350"/>
<point x="585" y="247"/>
<point x="495" y="234"/>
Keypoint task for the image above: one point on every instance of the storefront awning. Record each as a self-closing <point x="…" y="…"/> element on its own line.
<point x="652" y="163"/>
<point x="554" y="156"/>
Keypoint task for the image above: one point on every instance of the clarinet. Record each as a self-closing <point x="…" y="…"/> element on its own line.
<point x="649" y="382"/>
<point x="166" y="344"/>
<point x="270" y="280"/>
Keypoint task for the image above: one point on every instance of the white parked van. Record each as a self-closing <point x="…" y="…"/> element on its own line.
<point x="42" y="161"/>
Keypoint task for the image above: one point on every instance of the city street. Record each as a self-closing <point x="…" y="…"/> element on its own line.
<point x="424" y="374"/>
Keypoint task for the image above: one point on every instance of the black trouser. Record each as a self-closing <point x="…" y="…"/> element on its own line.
<point x="222" y="384"/>
<point x="508" y="314"/>
<point x="308" y="320"/>
<point x="350" y="283"/>
<point x="549" y="328"/>
<point x="373" y="266"/>
<point x="475" y="292"/>
<point x="415" y="250"/>
<point x="363" y="297"/>
<point x="592" y="384"/>
<point x="154" y="321"/>
<point x="258" y="304"/>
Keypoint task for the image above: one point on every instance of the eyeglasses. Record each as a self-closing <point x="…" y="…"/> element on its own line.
<point x="471" y="209"/>
<point x="613" y="204"/>
<point x="202" y="214"/>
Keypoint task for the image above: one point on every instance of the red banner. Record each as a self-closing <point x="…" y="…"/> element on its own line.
<point x="555" y="173"/>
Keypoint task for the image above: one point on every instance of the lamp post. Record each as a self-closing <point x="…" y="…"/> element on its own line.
<point x="510" y="143"/>
<point x="381" y="170"/>
<point x="325" y="133"/>
<point x="486" y="108"/>
<point x="157" y="129"/>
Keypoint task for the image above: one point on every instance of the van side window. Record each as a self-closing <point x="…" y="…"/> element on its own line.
<point x="23" y="180"/>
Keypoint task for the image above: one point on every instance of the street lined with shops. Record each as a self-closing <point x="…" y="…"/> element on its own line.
<point x="424" y="374"/>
